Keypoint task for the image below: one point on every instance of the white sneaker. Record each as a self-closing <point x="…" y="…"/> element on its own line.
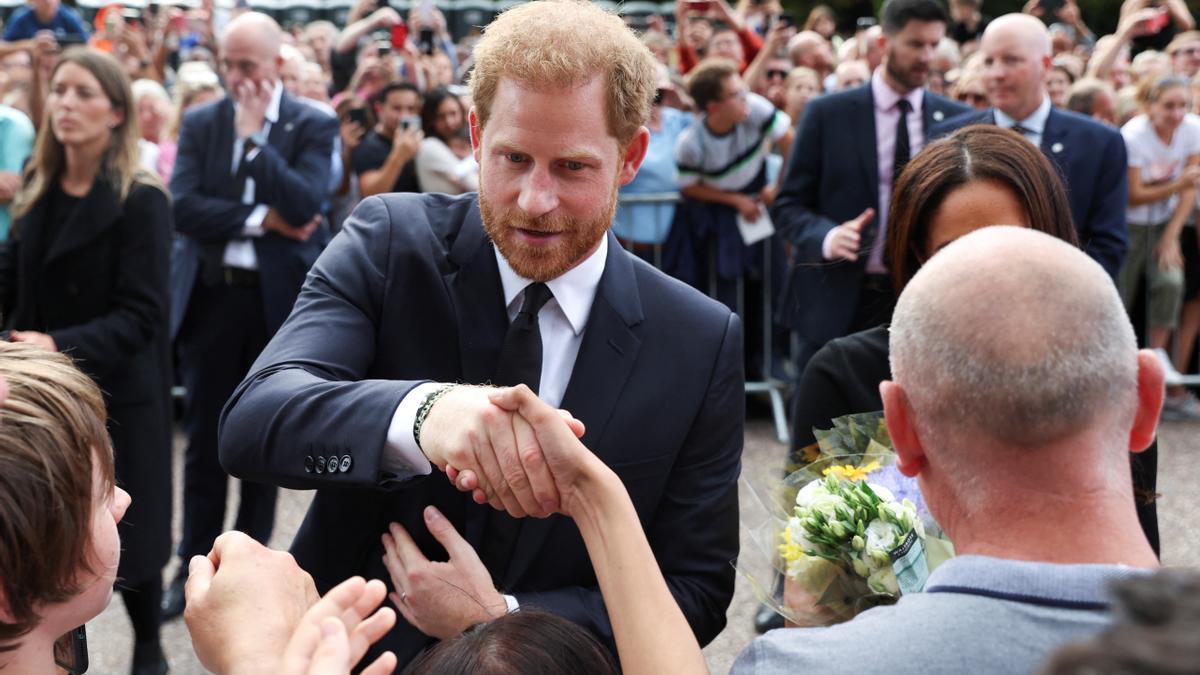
<point x="1171" y="375"/>
<point x="1182" y="408"/>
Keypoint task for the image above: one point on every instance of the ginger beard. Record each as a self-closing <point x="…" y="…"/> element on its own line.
<point x="544" y="262"/>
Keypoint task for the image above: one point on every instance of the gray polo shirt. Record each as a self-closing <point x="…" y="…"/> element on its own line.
<point x="977" y="614"/>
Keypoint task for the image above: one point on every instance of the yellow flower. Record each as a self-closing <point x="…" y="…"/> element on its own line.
<point x="789" y="550"/>
<point x="851" y="472"/>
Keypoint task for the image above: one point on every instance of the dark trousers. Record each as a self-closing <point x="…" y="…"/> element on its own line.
<point x="222" y="335"/>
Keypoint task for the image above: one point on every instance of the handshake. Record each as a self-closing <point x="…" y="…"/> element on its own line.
<point x="508" y="448"/>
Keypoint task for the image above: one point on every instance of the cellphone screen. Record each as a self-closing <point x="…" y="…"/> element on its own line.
<point x="399" y="36"/>
<point x="70" y="651"/>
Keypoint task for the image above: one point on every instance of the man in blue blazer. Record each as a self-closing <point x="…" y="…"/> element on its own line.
<point x="249" y="180"/>
<point x="372" y="382"/>
<point x="1089" y="156"/>
<point x="833" y="203"/>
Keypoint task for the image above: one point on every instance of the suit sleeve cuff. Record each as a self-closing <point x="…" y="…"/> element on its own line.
<point x="827" y="245"/>
<point x="401" y="455"/>
<point x="252" y="227"/>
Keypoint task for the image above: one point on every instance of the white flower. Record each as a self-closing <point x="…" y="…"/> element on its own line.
<point x="815" y="497"/>
<point x="883" y="580"/>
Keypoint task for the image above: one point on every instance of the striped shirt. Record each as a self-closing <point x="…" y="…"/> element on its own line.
<point x="732" y="160"/>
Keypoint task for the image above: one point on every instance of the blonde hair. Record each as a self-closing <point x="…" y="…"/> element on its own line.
<point x="52" y="438"/>
<point x="120" y="164"/>
<point x="560" y="44"/>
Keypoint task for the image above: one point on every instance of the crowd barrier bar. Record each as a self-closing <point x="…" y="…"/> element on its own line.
<point x="773" y="388"/>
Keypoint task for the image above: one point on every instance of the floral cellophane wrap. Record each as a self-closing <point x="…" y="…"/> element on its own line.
<point x="856" y="507"/>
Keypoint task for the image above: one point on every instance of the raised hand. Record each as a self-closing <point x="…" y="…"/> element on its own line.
<point x="440" y="599"/>
<point x="244" y="601"/>
<point x="334" y="634"/>
<point x="847" y="237"/>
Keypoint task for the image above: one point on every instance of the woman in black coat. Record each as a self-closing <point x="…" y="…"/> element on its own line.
<point x="930" y="209"/>
<point x="88" y="276"/>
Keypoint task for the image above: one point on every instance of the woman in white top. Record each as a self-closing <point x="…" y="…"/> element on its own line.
<point x="1164" y="168"/>
<point x="438" y="168"/>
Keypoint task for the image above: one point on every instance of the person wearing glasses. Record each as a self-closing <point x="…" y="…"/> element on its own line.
<point x="722" y="175"/>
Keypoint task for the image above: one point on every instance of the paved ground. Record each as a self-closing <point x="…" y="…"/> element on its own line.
<point x="1179" y="482"/>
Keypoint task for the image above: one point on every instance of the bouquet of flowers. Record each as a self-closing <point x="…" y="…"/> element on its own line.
<point x="850" y="531"/>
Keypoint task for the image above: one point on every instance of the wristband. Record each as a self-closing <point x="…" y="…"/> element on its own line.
<point x="423" y="411"/>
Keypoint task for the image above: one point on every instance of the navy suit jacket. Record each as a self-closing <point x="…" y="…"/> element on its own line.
<point x="291" y="175"/>
<point x="1091" y="160"/>
<point x="833" y="176"/>
<point x="410" y="291"/>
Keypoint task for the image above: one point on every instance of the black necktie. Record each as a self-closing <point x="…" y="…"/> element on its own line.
<point x="520" y="363"/>
<point x="1024" y="131"/>
<point x="902" y="149"/>
<point x="521" y="355"/>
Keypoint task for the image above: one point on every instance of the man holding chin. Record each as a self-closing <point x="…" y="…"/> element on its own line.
<point x="251" y="174"/>
<point x="370" y="383"/>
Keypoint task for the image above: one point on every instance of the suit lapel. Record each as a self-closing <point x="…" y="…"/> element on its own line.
<point x="606" y="357"/>
<point x="478" y="297"/>
<point x="95" y="213"/>
<point x="868" y="151"/>
<point x="1054" y="141"/>
<point x="228" y="182"/>
<point x="931" y="114"/>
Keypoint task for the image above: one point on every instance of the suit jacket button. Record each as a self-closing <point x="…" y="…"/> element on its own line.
<point x="346" y="463"/>
<point x="308" y="464"/>
<point x="320" y="463"/>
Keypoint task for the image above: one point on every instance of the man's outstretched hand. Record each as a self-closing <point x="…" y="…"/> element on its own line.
<point x="554" y="433"/>
<point x="466" y="432"/>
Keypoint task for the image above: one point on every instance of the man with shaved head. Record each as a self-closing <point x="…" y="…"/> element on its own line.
<point x="1018" y="393"/>
<point x="251" y="174"/>
<point x="1088" y="155"/>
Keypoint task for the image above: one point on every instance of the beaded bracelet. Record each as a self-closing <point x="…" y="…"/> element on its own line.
<point x="423" y="411"/>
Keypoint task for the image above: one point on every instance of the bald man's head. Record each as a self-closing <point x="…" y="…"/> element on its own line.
<point x="1014" y="339"/>
<point x="1016" y="56"/>
<point x="250" y="50"/>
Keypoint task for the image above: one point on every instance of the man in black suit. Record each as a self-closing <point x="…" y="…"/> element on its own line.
<point x="522" y="283"/>
<point x="250" y="177"/>
<point x="1089" y="156"/>
<point x="833" y="202"/>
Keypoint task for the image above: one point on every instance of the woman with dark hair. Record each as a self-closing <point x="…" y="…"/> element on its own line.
<point x="981" y="175"/>
<point x="438" y="168"/>
<point x="88" y="276"/>
<point x="526" y="641"/>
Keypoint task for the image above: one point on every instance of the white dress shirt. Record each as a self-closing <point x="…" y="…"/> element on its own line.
<point x="240" y="252"/>
<point x="1035" y="124"/>
<point x="561" y="322"/>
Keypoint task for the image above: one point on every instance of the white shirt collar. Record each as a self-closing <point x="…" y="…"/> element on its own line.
<point x="1036" y="122"/>
<point x="574" y="290"/>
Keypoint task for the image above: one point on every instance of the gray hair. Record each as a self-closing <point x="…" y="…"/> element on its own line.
<point x="1015" y="336"/>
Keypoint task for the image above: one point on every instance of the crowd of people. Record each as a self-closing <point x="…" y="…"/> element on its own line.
<point x="343" y="241"/>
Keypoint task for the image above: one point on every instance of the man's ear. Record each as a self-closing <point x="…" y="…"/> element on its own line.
<point x="476" y="133"/>
<point x="1150" y="389"/>
<point x="635" y="152"/>
<point x="910" y="454"/>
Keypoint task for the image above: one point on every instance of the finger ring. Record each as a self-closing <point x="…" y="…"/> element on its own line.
<point x="403" y="596"/>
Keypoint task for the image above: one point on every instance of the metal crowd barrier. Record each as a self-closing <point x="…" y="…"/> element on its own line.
<point x="773" y="388"/>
